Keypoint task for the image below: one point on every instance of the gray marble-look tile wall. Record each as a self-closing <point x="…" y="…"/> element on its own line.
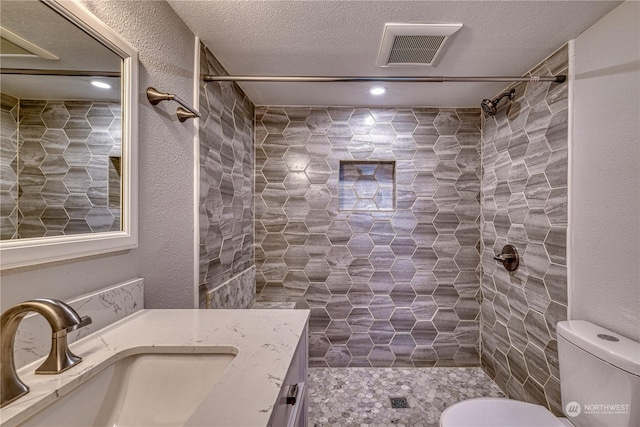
<point x="237" y="292"/>
<point x="61" y="167"/>
<point x="393" y="287"/>
<point x="524" y="203"/>
<point x="226" y="183"/>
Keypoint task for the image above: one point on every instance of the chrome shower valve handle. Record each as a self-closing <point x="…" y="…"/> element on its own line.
<point x="505" y="257"/>
<point x="509" y="258"/>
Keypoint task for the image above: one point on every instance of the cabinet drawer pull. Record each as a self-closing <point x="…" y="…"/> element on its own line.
<point x="292" y="394"/>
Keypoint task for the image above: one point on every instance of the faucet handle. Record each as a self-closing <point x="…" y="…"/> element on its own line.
<point x="84" y="321"/>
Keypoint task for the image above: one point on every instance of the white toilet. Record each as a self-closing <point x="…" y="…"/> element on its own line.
<point x="599" y="382"/>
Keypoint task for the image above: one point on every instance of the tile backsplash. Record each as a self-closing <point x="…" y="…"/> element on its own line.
<point x="524" y="203"/>
<point x="397" y="286"/>
<point x="33" y="339"/>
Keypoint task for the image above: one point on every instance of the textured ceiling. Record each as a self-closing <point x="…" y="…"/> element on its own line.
<point x="342" y="38"/>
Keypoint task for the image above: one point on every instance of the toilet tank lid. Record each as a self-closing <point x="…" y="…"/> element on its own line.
<point x="600" y="342"/>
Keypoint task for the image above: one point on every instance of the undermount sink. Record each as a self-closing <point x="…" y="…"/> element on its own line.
<point x="161" y="389"/>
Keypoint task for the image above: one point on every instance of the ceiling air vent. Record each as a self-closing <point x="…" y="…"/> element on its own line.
<point x="413" y="44"/>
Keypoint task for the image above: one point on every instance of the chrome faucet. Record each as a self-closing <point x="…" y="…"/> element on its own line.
<point x="61" y="318"/>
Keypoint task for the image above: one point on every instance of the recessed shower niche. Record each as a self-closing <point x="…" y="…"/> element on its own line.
<point x="367" y="185"/>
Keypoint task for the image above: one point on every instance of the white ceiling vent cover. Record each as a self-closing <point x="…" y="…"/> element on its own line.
<point x="413" y="44"/>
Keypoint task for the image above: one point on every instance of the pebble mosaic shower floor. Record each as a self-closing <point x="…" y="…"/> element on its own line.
<point x="361" y="396"/>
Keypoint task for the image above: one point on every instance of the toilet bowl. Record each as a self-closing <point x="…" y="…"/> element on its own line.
<point x="597" y="368"/>
<point x="496" y="412"/>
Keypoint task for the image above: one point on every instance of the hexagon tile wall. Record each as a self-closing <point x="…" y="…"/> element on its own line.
<point x="59" y="182"/>
<point x="226" y="188"/>
<point x="9" y="168"/>
<point x="524" y="203"/>
<point x="385" y="288"/>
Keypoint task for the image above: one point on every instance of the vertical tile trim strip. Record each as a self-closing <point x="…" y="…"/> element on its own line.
<point x="570" y="142"/>
<point x="196" y="175"/>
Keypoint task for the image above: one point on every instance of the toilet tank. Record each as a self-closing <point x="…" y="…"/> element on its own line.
<point x="599" y="375"/>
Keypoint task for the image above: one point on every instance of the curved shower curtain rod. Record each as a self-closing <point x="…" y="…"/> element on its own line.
<point x="432" y="79"/>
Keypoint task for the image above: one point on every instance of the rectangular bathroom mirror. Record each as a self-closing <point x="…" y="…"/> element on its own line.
<point x="69" y="129"/>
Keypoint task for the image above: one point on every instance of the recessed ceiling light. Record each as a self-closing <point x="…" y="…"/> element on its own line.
<point x="101" y="85"/>
<point x="377" y="90"/>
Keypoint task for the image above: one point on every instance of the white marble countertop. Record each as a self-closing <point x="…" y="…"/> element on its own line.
<point x="244" y="395"/>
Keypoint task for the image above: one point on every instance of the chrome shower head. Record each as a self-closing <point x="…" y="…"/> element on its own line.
<point x="490" y="107"/>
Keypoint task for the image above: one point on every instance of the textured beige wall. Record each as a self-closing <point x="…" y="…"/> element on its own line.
<point x="605" y="184"/>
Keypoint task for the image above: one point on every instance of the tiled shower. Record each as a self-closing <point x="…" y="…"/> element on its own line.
<point x="369" y="217"/>
<point x="524" y="202"/>
<point x="384" y="222"/>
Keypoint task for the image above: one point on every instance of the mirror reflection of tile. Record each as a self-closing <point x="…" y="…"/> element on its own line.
<point x="367" y="185"/>
<point x="60" y="174"/>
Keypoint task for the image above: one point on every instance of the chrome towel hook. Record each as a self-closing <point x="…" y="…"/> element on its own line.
<point x="188" y="112"/>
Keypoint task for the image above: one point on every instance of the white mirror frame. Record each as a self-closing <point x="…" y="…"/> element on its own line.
<point x="25" y="252"/>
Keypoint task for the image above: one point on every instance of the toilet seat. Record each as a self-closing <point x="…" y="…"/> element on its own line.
<point x="495" y="412"/>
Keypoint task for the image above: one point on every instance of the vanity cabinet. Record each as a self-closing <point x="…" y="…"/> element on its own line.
<point x="292" y="405"/>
